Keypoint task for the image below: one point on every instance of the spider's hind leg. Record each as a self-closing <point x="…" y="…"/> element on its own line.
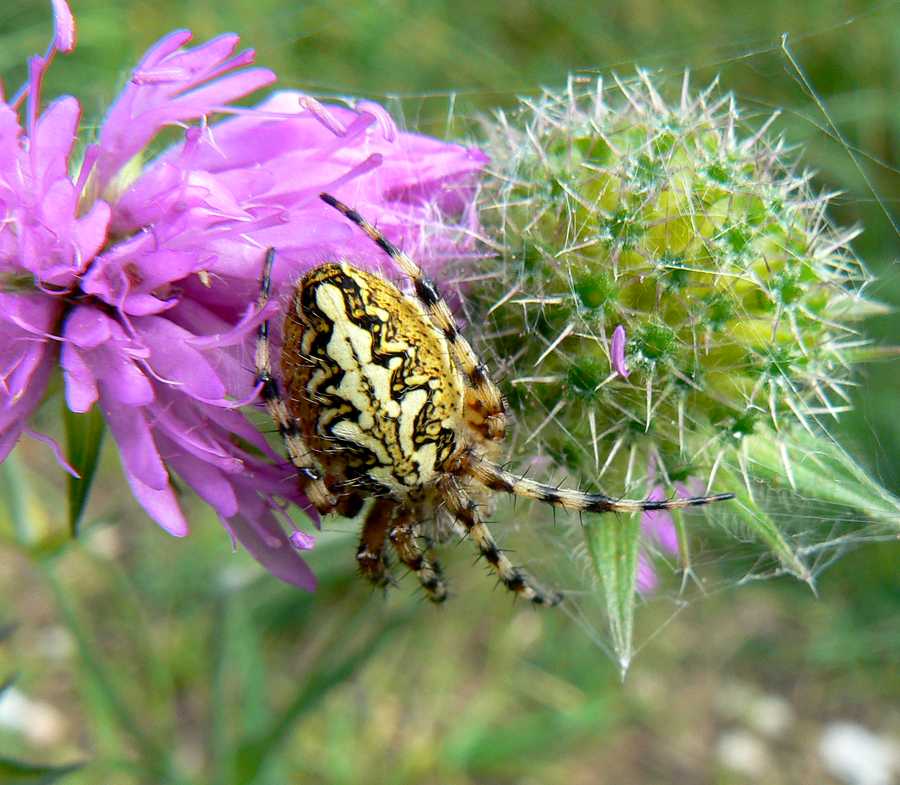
<point x="370" y="555"/>
<point x="485" y="407"/>
<point x="309" y="473"/>
<point x="428" y="571"/>
<point x="514" y="578"/>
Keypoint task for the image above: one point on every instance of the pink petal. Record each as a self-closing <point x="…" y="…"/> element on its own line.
<point x="140" y="457"/>
<point x="258" y="531"/>
<point x="14" y="413"/>
<point x="88" y="327"/>
<point x="659" y="524"/>
<point x="166" y="45"/>
<point x="201" y="59"/>
<point x="32" y="313"/>
<point x="168" y="86"/>
<point x="210" y="484"/>
<point x="161" y="505"/>
<point x="302" y="541"/>
<point x="64" y="24"/>
<point x="217" y="94"/>
<point x="91" y="231"/>
<point x="81" y="385"/>
<point x="54" y="446"/>
<point x="52" y="141"/>
<point x="647" y="580"/>
<point x="174" y="360"/>
<point x="189" y="428"/>
<point x="9" y="139"/>
<point x="123" y="382"/>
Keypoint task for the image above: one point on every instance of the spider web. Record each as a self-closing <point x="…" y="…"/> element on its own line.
<point x="724" y="553"/>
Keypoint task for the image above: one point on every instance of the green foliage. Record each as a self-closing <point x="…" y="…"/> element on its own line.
<point x="18" y="773"/>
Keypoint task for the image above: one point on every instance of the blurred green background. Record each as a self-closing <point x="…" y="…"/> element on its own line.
<point x="153" y="660"/>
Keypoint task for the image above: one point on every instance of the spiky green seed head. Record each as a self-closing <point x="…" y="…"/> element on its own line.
<point x="702" y="237"/>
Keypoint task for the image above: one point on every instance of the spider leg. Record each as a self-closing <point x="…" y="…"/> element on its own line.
<point x="428" y="571"/>
<point x="514" y="578"/>
<point x="309" y="473"/>
<point x="486" y="409"/>
<point x="349" y="504"/>
<point x="498" y="479"/>
<point x="370" y="555"/>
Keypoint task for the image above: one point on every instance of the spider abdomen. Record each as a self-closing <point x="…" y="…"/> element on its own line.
<point x="370" y="381"/>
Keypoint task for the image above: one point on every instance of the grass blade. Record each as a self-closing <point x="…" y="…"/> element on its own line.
<point x="254" y="753"/>
<point x="14" y="772"/>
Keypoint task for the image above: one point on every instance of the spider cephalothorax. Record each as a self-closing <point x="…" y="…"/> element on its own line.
<point x="386" y="399"/>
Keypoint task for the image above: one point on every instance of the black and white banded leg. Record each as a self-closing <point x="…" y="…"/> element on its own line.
<point x="466" y="511"/>
<point x="403" y="539"/>
<point x="499" y="479"/>
<point x="309" y="472"/>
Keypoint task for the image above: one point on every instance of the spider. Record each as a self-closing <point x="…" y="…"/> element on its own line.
<point x="385" y="399"/>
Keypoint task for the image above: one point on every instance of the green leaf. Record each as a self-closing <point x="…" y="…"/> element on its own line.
<point x="84" y="437"/>
<point x="14" y="772"/>
<point x="104" y="680"/>
<point x="613" y="545"/>
<point x="822" y="470"/>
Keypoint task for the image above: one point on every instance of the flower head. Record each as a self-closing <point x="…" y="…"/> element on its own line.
<point x="138" y="279"/>
<point x="615" y="211"/>
<point x="618" y="212"/>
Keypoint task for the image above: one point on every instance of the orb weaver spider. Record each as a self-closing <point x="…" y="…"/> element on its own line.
<point x="385" y="399"/>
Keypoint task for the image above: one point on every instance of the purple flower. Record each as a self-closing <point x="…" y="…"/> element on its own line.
<point x="617" y="352"/>
<point x="139" y="281"/>
<point x="658" y="529"/>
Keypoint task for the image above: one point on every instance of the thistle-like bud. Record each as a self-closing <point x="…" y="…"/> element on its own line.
<point x="673" y="304"/>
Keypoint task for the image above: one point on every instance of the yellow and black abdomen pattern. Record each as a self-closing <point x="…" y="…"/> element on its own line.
<point x="370" y="380"/>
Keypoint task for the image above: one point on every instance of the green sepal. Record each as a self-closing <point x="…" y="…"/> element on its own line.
<point x="818" y="468"/>
<point x="84" y="438"/>
<point x="613" y="544"/>
<point x="757" y="521"/>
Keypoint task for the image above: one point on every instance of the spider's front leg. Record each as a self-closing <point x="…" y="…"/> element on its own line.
<point x="309" y="472"/>
<point x="485" y="406"/>
<point x="499" y="479"/>
<point x="467" y="513"/>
